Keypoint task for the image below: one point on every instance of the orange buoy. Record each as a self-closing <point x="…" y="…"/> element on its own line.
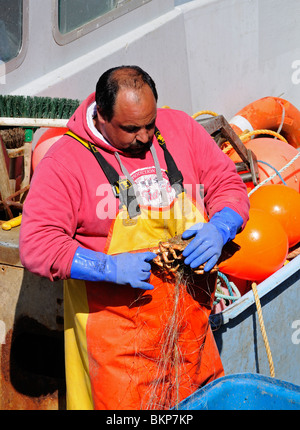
<point x="264" y="248"/>
<point x="269" y="113"/>
<point x="47" y="139"/>
<point x="283" y="203"/>
<point x="277" y="154"/>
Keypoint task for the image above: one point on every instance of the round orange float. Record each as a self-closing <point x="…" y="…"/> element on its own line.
<point x="283" y="203"/>
<point x="264" y="248"/>
<point x="47" y="139"/>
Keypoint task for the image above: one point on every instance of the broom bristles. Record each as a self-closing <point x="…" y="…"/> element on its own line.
<point x="13" y="137"/>
<point x="37" y="107"/>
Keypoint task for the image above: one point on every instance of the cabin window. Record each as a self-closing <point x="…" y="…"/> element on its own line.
<point x="11" y="29"/>
<point x="77" y="17"/>
<point x="75" y="13"/>
<point x="13" y="35"/>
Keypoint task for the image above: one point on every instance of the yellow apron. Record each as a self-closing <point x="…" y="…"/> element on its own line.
<point x="128" y="348"/>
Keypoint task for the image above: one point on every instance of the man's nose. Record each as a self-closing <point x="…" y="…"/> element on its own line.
<point x="143" y="135"/>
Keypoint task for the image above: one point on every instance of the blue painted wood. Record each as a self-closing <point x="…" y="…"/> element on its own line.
<point x="238" y="335"/>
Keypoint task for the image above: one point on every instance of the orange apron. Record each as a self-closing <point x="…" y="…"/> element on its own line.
<point x="128" y="348"/>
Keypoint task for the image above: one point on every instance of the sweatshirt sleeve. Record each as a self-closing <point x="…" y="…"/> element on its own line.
<point x="223" y="187"/>
<point x="49" y="221"/>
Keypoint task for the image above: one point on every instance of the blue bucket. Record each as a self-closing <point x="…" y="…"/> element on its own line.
<point x="245" y="391"/>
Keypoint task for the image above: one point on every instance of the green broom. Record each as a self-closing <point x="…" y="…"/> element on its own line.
<point x="20" y="116"/>
<point x="35" y="111"/>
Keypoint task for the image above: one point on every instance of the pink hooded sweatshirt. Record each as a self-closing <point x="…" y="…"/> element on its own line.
<point x="71" y="203"/>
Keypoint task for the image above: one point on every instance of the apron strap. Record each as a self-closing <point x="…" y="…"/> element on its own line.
<point x="174" y="174"/>
<point x="122" y="188"/>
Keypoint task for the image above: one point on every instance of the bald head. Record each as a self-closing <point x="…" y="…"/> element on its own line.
<point x="113" y="80"/>
<point x="127" y="77"/>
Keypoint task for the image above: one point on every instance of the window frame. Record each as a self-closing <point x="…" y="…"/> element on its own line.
<point x="15" y="62"/>
<point x="63" y="39"/>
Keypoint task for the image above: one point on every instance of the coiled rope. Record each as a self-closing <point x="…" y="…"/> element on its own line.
<point x="234" y="293"/>
<point x="249" y="134"/>
<point x="246" y="135"/>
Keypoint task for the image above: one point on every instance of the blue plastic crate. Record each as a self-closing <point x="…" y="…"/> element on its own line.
<point x="244" y="391"/>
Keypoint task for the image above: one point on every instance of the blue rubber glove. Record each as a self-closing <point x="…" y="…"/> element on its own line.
<point x="124" y="269"/>
<point x="210" y="238"/>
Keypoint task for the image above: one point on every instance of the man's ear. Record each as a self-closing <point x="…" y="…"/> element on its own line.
<point x="100" y="118"/>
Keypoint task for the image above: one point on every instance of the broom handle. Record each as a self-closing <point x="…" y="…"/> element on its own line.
<point x="32" y="122"/>
<point x="26" y="164"/>
<point x="5" y="190"/>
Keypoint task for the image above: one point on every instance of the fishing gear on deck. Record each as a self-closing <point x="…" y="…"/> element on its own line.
<point x="20" y="116"/>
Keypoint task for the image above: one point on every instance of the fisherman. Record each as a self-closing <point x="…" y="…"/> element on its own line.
<point x="126" y="176"/>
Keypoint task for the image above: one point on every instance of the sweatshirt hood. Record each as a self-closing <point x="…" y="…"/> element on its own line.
<point x="81" y="123"/>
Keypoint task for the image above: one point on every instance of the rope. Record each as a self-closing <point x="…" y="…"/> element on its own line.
<point x="231" y="288"/>
<point x="274" y="175"/>
<point x="276" y="171"/>
<point x="263" y="330"/>
<point x="246" y="136"/>
<point x="282" y="117"/>
<point x="204" y="112"/>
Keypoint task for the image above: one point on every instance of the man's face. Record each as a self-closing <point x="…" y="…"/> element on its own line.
<point x="132" y="127"/>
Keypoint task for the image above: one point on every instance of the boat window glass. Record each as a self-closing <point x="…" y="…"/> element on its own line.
<point x="75" y="13"/>
<point x="74" y="18"/>
<point x="11" y="29"/>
